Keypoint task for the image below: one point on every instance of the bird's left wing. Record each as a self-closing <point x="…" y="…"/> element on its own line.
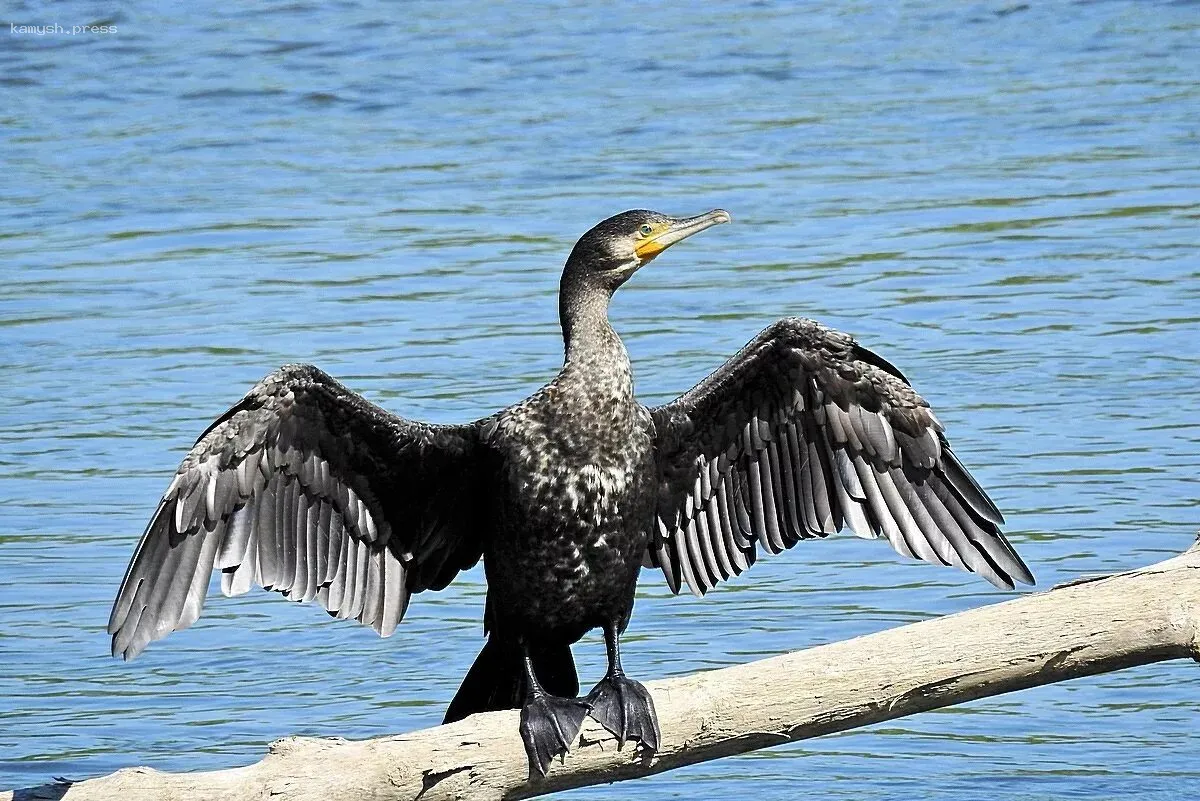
<point x="799" y="433"/>
<point x="307" y="488"/>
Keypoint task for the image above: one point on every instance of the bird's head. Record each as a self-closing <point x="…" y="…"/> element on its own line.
<point x="606" y="256"/>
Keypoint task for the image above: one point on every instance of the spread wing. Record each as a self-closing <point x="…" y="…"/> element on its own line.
<point x="803" y="432"/>
<point x="306" y="488"/>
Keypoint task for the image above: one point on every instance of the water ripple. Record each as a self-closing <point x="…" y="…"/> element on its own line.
<point x="999" y="197"/>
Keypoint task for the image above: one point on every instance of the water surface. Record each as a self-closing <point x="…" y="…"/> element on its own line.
<point x="1001" y="198"/>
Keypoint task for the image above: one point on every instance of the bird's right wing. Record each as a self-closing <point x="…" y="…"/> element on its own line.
<point x="306" y="488"/>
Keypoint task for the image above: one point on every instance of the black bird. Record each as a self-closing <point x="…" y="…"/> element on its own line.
<point x="306" y="488"/>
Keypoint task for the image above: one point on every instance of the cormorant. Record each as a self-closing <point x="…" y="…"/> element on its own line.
<point x="306" y="488"/>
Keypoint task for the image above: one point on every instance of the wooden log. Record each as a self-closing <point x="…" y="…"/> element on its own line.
<point x="1087" y="627"/>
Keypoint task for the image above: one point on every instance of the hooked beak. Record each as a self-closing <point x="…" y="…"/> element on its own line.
<point x="679" y="229"/>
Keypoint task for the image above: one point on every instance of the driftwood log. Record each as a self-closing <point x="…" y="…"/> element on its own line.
<point x="1079" y="629"/>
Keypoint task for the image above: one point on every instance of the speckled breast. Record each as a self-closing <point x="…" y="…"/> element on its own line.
<point x="574" y="519"/>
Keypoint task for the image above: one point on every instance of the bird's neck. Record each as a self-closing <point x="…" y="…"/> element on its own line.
<point x="592" y="348"/>
<point x="585" y="327"/>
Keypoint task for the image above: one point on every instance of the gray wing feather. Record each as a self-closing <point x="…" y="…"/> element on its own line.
<point x="307" y="489"/>
<point x="801" y="433"/>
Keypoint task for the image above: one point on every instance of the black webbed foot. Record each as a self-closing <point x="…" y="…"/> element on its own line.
<point x="549" y="724"/>
<point x="624" y="707"/>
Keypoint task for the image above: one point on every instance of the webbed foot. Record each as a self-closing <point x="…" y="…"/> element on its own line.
<point x="549" y="724"/>
<point x="624" y="707"/>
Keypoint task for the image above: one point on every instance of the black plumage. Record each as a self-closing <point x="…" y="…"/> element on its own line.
<point x="306" y="488"/>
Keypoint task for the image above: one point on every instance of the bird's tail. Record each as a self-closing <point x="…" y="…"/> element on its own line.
<point x="497" y="679"/>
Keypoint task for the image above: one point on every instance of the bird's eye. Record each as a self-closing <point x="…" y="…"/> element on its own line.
<point x="646" y="229"/>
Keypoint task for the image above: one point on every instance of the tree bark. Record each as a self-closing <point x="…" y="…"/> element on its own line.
<point x="1083" y="628"/>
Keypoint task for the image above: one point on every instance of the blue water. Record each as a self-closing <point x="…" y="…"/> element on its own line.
<point x="1002" y="198"/>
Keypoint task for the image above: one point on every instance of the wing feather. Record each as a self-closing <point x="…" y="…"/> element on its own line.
<point x="336" y="589"/>
<point x="237" y="577"/>
<point x="345" y="611"/>
<point x="306" y="488"/>
<point x="801" y="433"/>
<point x="194" y="603"/>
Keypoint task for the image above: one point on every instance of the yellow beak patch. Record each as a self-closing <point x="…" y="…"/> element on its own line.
<point x="649" y="248"/>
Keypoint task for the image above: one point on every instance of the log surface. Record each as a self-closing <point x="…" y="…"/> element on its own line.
<point x="1088" y="627"/>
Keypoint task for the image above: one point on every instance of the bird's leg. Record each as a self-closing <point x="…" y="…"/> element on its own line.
<point x="549" y="723"/>
<point x="622" y="705"/>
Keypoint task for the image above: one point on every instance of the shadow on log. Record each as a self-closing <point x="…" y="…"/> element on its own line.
<point x="1079" y="629"/>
